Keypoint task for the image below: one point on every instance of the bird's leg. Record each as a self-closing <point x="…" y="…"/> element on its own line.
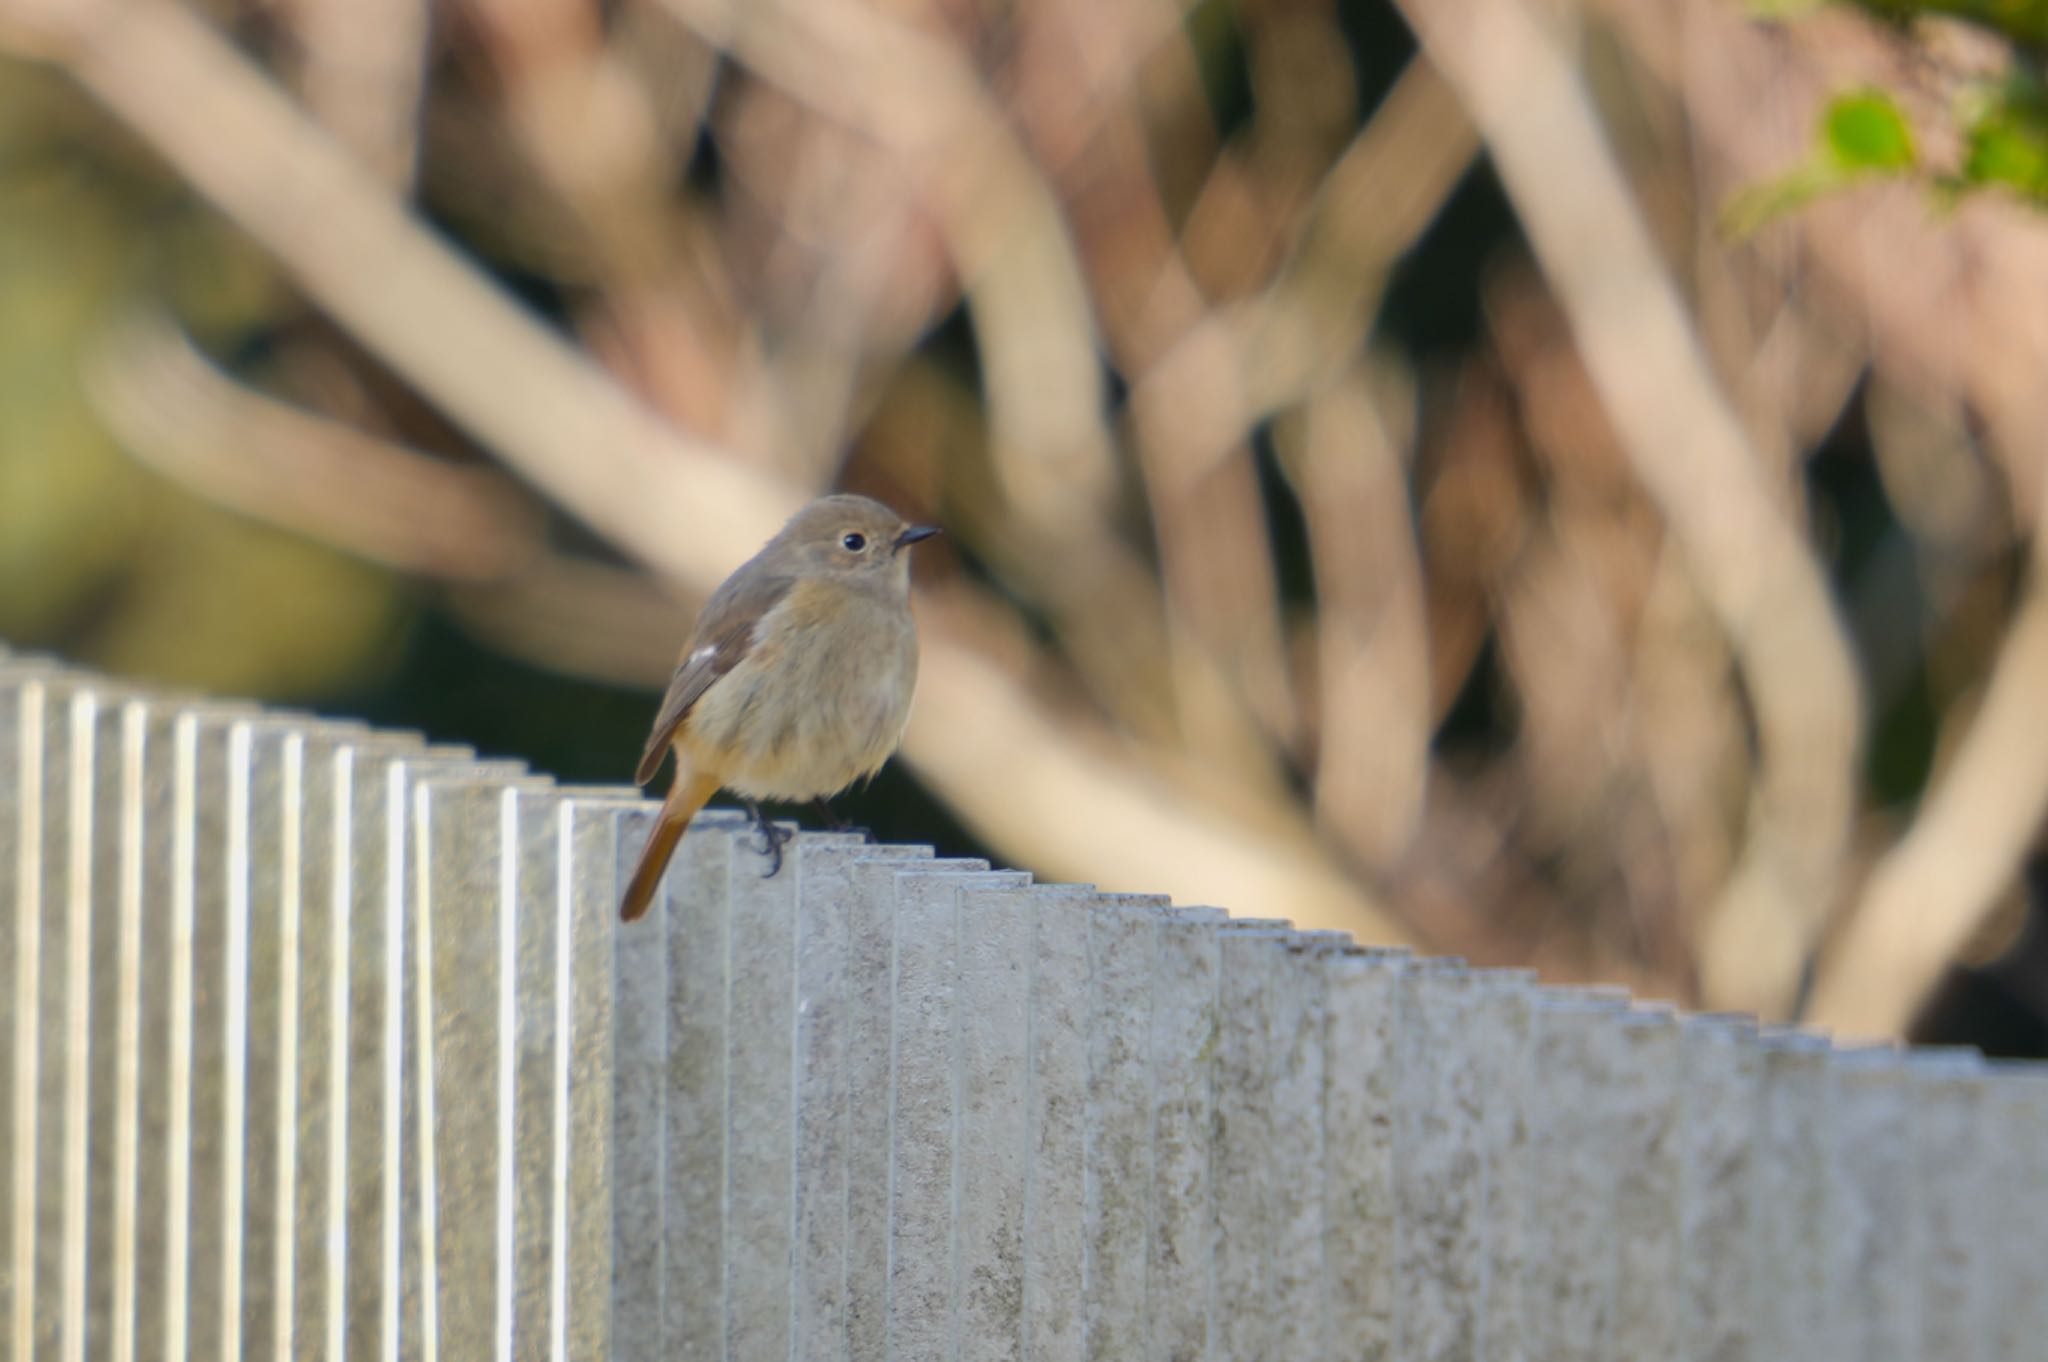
<point x="837" y="824"/>
<point x="771" y="837"/>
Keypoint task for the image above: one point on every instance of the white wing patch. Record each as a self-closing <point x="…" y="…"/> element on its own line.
<point x="703" y="654"/>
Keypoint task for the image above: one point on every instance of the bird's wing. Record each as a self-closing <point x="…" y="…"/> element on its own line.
<point x="722" y="638"/>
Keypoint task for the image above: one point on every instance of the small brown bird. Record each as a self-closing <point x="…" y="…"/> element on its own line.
<point x="796" y="680"/>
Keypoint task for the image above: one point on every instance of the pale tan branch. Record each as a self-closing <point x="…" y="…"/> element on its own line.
<point x="1237" y="367"/>
<point x="432" y="316"/>
<point x="1977" y="822"/>
<point x="580" y="618"/>
<point x="588" y="124"/>
<point x="1372" y="643"/>
<point x="1692" y="455"/>
<point x="318" y="477"/>
<point x="1001" y="223"/>
<point x="1233" y="699"/>
<point x="361" y="71"/>
<point x="1194" y="409"/>
<point x="1377" y="200"/>
<point x="1071" y="804"/>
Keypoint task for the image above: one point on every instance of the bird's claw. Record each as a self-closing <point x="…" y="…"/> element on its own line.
<point x="771" y="838"/>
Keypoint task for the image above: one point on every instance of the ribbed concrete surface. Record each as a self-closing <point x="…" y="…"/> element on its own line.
<point x="321" y="1043"/>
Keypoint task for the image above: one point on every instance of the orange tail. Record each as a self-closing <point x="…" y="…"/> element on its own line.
<point x="689" y="793"/>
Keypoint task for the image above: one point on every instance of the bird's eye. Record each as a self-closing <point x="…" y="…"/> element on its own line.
<point x="854" y="542"/>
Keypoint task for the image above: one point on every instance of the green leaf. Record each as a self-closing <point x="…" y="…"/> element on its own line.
<point x="2003" y="154"/>
<point x="1865" y="132"/>
<point x="2006" y="140"/>
<point x="1862" y="133"/>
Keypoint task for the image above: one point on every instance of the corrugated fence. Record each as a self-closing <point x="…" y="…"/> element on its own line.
<point x="325" y="1043"/>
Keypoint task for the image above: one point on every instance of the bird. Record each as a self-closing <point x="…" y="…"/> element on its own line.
<point x="795" y="681"/>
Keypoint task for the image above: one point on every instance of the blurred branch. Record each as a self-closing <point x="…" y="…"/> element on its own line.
<point x="320" y="478"/>
<point x="1974" y="830"/>
<point x="1068" y="803"/>
<point x="1372" y="643"/>
<point x="1233" y="702"/>
<point x="1001" y="224"/>
<point x="588" y="126"/>
<point x="360" y="70"/>
<point x="407" y="296"/>
<point x="1686" y="445"/>
<point x="600" y="138"/>
<point x="1378" y="199"/>
<point x="1693" y="732"/>
<point x="1054" y="790"/>
<point x="580" y="618"/>
<point x="1473" y="518"/>
<point x="1237" y="368"/>
<point x="1195" y="408"/>
<point x="810" y="387"/>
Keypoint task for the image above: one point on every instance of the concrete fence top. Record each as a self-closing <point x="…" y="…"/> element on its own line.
<point x="322" y="1042"/>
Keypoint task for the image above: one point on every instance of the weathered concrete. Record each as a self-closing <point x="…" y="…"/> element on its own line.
<point x="1872" y="1286"/>
<point x="319" y="1043"/>
<point x="1720" y="1075"/>
<point x="671" y="1112"/>
<point x="598" y="838"/>
<point x="1056" y="1109"/>
<point x="264" y="818"/>
<point x="1503" y="1023"/>
<point x="823" y="1093"/>
<point x="1179" y="1305"/>
<point x="1298" y="1144"/>
<point x="1361" y="1265"/>
<point x="542" y="876"/>
<point x="2015" y="1149"/>
<point x="1117" y="1129"/>
<point x="69" y="844"/>
<point x="102" y="1249"/>
<point x="924" y="1126"/>
<point x="315" y="935"/>
<point x="992" y="1165"/>
<point x="1791" y="1200"/>
<point x="194" y="908"/>
<point x="465" y="940"/>
<point x="1245" y="1231"/>
<point x="385" y="1273"/>
<point x="425" y="1253"/>
<point x="762" y="1008"/>
<point x="21" y="726"/>
<point x="1440" y="1174"/>
<point x="872" y="1097"/>
<point x="1950" y="1237"/>
<point x="1576" y="1138"/>
<point x="1644" y="1101"/>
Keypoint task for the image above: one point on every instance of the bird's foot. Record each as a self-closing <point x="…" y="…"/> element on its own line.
<point x="772" y="838"/>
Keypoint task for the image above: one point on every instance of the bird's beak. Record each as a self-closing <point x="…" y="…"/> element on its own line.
<point x="914" y="533"/>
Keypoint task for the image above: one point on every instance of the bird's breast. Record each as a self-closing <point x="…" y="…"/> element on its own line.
<point x="819" y="702"/>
